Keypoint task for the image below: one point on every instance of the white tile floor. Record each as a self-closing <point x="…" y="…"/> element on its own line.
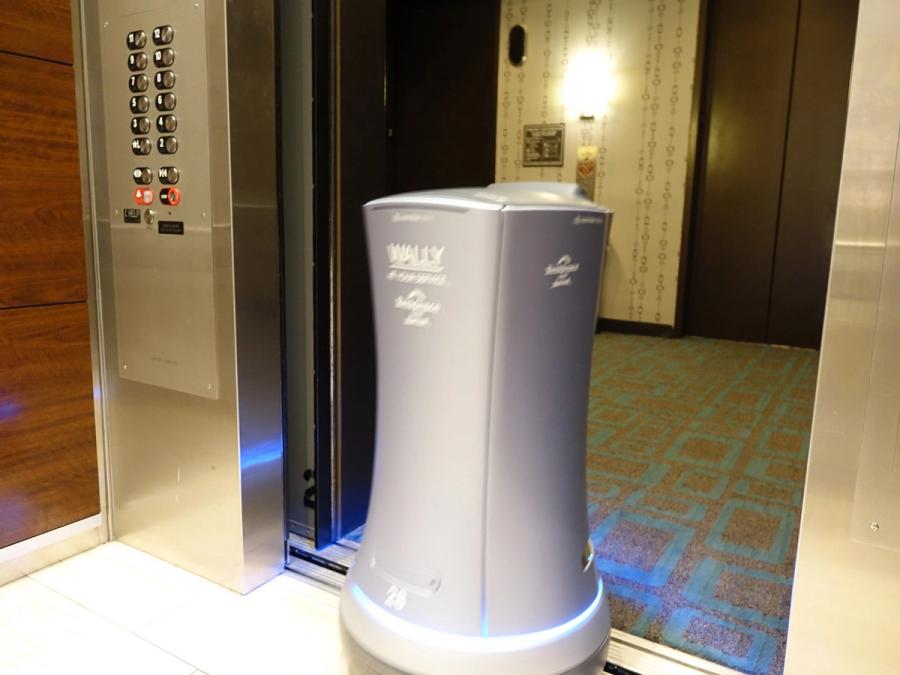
<point x="117" y="610"/>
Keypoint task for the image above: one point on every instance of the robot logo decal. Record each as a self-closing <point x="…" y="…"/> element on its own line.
<point x="420" y="308"/>
<point x="413" y="264"/>
<point x="562" y="270"/>
<point x="396" y="598"/>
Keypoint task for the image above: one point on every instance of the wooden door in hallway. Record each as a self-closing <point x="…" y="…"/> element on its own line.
<point x="441" y="93"/>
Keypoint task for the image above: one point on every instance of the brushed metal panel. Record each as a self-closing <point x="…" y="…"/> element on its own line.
<point x="165" y="322"/>
<point x="196" y="479"/>
<point x="252" y="171"/>
<point x="876" y="503"/>
<point x="846" y="594"/>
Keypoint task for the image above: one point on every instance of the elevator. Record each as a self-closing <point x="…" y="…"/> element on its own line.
<point x="224" y="262"/>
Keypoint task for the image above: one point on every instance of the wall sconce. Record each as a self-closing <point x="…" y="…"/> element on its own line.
<point x="589" y="85"/>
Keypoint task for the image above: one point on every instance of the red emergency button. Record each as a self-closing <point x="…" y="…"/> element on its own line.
<point x="170" y="196"/>
<point x="143" y="196"/>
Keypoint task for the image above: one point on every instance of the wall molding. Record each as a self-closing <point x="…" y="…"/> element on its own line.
<point x="27" y="556"/>
<point x="46" y="539"/>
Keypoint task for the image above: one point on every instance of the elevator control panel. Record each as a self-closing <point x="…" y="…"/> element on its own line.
<point x="156" y="103"/>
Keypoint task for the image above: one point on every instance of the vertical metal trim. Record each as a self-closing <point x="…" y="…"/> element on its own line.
<point x="250" y="61"/>
<point x="95" y="310"/>
<point x="296" y="204"/>
<point x="323" y="272"/>
<point x="335" y="267"/>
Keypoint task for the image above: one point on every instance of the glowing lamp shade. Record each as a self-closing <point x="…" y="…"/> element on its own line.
<point x="589" y="85"/>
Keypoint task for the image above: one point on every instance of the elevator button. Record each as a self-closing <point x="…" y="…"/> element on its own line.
<point x="169" y="175"/>
<point x="165" y="101"/>
<point x="143" y="196"/>
<point x="137" y="61"/>
<point x="167" y="123"/>
<point x="164" y="57"/>
<point x="139" y="104"/>
<point x="170" y="196"/>
<point x="137" y="39"/>
<point x="142" y="175"/>
<point x="165" y="79"/>
<point x="140" y="125"/>
<point x="138" y="82"/>
<point x="167" y="145"/>
<point x="162" y="35"/>
<point x="141" y="146"/>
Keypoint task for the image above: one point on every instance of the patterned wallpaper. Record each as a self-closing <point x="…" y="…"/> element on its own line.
<point x="641" y="55"/>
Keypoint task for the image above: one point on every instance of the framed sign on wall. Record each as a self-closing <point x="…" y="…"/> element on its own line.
<point x="543" y="144"/>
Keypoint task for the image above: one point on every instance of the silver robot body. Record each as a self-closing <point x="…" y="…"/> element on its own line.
<point x="476" y="556"/>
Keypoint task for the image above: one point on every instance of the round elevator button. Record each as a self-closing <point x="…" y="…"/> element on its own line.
<point x="140" y="125"/>
<point x="167" y="123"/>
<point x="169" y="175"/>
<point x="139" y="104"/>
<point x="170" y="196"/>
<point x="142" y="175"/>
<point x="137" y="39"/>
<point x="164" y="79"/>
<point x="162" y="35"/>
<point x="141" y="146"/>
<point x="164" y="57"/>
<point x="165" y="101"/>
<point x="167" y="145"/>
<point x="143" y="196"/>
<point x="138" y="82"/>
<point x="137" y="61"/>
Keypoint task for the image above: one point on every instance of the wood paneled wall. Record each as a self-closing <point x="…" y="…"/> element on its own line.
<point x="38" y="28"/>
<point x="48" y="458"/>
<point x="42" y="254"/>
<point x="48" y="455"/>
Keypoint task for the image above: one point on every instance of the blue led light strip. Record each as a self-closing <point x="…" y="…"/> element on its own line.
<point x="473" y="643"/>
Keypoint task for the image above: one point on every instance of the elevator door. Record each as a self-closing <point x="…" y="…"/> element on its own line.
<point x="409" y="135"/>
<point x="771" y="135"/>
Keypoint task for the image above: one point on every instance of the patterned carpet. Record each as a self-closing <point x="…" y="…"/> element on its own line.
<point x="696" y="460"/>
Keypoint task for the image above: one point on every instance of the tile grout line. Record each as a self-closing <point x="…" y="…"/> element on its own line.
<point x="116" y="624"/>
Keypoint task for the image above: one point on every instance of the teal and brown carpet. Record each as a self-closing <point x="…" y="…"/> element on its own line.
<point x="696" y="461"/>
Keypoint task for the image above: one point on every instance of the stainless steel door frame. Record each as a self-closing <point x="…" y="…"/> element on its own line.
<point x="847" y="584"/>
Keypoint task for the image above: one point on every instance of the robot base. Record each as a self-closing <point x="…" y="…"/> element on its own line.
<point x="379" y="642"/>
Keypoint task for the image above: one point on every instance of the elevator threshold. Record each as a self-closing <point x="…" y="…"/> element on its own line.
<point x="628" y="654"/>
<point x="327" y="566"/>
